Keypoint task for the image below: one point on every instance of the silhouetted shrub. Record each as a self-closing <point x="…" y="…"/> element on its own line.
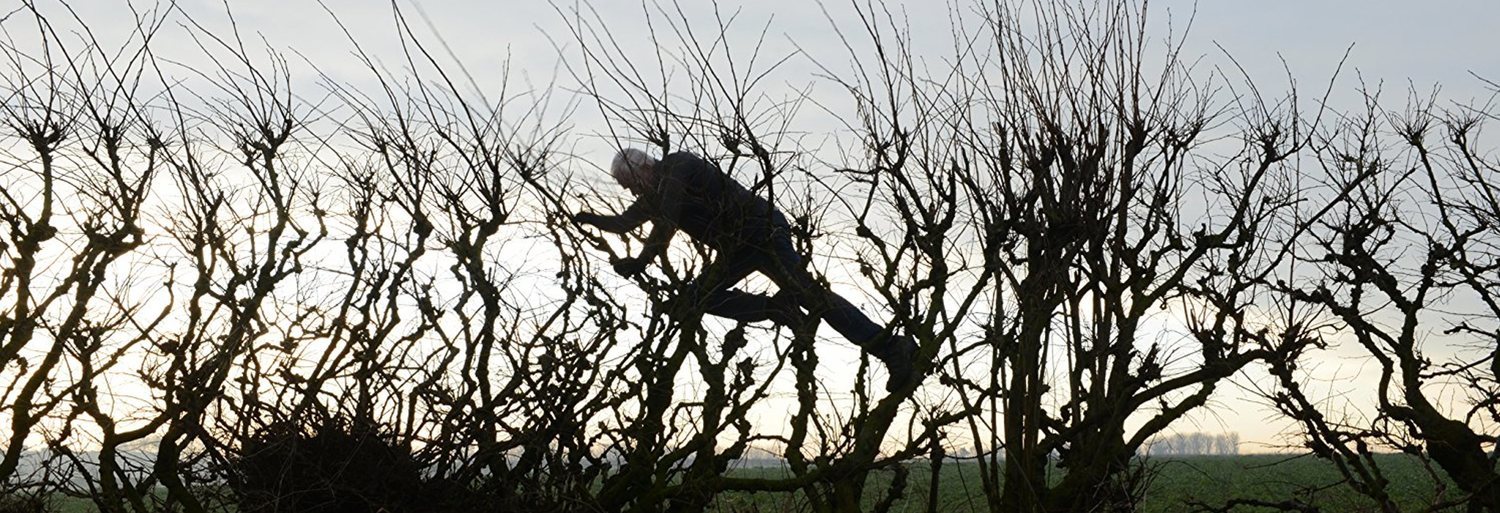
<point x="24" y="503"/>
<point x="332" y="467"/>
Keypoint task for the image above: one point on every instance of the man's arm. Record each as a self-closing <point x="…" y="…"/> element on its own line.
<point x="656" y="243"/>
<point x="628" y="220"/>
<point x="664" y="226"/>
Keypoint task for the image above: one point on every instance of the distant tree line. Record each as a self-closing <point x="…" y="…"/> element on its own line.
<point x="1195" y="444"/>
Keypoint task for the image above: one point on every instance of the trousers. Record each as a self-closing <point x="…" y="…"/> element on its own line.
<point x="779" y="261"/>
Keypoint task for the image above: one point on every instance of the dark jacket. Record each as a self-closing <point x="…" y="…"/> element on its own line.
<point x="695" y="196"/>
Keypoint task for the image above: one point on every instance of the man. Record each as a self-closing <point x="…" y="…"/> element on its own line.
<point x="685" y="192"/>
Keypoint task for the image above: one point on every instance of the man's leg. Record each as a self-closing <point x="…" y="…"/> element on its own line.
<point x="714" y="289"/>
<point x="894" y="351"/>
<point x="785" y="268"/>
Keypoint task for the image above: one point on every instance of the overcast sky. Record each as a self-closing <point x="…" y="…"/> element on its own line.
<point x="1397" y="43"/>
<point x="1426" y="42"/>
<point x="1391" y="42"/>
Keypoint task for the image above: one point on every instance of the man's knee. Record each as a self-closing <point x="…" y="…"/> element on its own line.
<point x="785" y="308"/>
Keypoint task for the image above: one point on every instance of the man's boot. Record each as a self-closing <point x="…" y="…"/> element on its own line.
<point x="896" y="354"/>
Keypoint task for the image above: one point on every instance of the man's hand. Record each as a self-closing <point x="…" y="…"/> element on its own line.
<point x="630" y="266"/>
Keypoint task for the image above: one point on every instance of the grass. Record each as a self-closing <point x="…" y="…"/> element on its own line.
<point x="1212" y="480"/>
<point x="1215" y="480"/>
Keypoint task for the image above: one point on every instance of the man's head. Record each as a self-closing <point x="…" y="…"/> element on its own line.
<point x="634" y="169"/>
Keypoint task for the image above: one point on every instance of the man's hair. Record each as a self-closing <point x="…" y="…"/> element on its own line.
<point x="632" y="166"/>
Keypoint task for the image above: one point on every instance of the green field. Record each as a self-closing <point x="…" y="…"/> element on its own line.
<point x="1211" y="480"/>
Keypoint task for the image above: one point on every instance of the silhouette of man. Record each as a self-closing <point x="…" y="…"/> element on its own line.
<point x="685" y="192"/>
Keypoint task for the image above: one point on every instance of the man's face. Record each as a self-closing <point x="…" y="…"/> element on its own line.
<point x="638" y="182"/>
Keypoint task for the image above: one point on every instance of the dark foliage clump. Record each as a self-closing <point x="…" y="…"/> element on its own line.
<point x="24" y="503"/>
<point x="332" y="467"/>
